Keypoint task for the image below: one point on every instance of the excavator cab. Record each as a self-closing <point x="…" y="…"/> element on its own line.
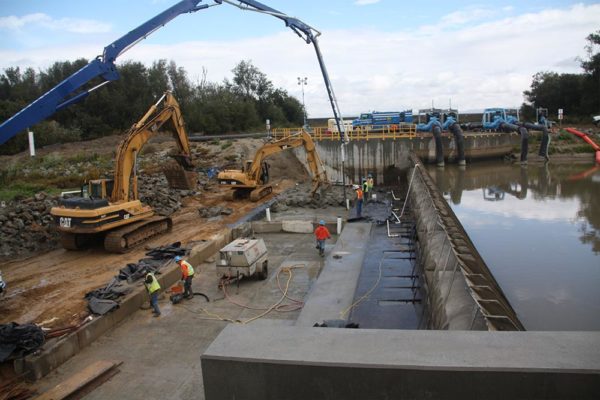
<point x="100" y="188"/>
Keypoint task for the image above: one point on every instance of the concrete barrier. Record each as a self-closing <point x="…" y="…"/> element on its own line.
<point x="279" y="362"/>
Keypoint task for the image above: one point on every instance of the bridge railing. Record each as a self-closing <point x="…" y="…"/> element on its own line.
<point x="359" y="133"/>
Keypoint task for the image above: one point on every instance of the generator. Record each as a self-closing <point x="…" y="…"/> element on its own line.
<point x="243" y="258"/>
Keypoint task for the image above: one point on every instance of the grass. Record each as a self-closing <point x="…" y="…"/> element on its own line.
<point x="47" y="174"/>
<point x="226" y="144"/>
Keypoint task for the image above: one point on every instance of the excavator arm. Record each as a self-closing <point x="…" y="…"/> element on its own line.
<point x="149" y="125"/>
<point x="302" y="139"/>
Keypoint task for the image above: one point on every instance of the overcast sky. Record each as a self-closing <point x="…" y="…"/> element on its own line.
<point x="381" y="54"/>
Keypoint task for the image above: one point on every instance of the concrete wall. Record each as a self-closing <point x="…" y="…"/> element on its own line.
<point x="385" y="158"/>
<point x="277" y="362"/>
<point x="461" y="291"/>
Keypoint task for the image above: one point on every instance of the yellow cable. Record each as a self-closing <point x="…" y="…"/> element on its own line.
<point x="364" y="296"/>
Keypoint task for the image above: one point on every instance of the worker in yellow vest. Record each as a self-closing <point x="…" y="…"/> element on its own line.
<point x="370" y="185"/>
<point x="187" y="274"/>
<point x="152" y="286"/>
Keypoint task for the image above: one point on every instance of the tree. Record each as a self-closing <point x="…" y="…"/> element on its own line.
<point x="591" y="67"/>
<point x="577" y="94"/>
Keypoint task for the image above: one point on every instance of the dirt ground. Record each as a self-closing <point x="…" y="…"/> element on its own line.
<point x="48" y="289"/>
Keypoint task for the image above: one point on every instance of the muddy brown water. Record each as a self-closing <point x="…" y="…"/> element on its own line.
<point x="538" y="229"/>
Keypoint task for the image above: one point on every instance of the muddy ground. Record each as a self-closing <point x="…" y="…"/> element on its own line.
<point x="48" y="288"/>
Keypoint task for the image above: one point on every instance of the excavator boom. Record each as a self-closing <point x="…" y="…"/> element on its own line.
<point x="148" y="126"/>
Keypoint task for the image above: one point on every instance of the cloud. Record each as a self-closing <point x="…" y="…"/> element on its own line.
<point x="365" y="2"/>
<point x="73" y="25"/>
<point x="484" y="62"/>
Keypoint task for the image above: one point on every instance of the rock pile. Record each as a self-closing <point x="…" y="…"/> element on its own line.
<point x="300" y="197"/>
<point x="154" y="191"/>
<point x="26" y="226"/>
<point x="210" y="212"/>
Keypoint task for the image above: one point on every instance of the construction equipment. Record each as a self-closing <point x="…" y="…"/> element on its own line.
<point x="71" y="90"/>
<point x="112" y="205"/>
<point x="252" y="181"/>
<point x="243" y="258"/>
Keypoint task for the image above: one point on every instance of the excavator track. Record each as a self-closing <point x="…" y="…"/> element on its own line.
<point x="260" y="192"/>
<point x="73" y="241"/>
<point x="123" y="239"/>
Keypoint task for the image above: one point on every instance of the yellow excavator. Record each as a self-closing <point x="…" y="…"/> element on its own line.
<point x="111" y="206"/>
<point x="253" y="180"/>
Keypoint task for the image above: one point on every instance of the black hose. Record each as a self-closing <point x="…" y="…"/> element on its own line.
<point x="460" y="140"/>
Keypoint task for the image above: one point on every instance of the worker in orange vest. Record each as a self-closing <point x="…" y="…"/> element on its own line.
<point x="321" y="234"/>
<point x="359" y="200"/>
<point x="187" y="274"/>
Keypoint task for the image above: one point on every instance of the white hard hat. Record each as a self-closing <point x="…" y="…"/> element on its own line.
<point x="355" y="187"/>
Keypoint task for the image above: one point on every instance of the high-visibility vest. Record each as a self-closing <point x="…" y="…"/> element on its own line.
<point x="186" y="265"/>
<point x="359" y="194"/>
<point x="152" y="286"/>
<point x="370" y="184"/>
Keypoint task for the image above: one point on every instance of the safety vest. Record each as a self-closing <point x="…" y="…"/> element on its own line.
<point x="359" y="194"/>
<point x="370" y="184"/>
<point x="187" y="266"/>
<point x="152" y="286"/>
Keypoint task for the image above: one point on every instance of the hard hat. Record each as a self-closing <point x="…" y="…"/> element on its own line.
<point x="370" y="176"/>
<point x="355" y="187"/>
<point x="321" y="222"/>
<point x="177" y="258"/>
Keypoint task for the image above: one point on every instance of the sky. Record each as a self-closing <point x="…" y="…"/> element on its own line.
<point x="383" y="55"/>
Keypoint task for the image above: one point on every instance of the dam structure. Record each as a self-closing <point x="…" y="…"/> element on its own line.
<point x="404" y="306"/>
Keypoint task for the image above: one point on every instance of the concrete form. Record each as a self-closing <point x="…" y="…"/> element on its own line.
<point x="255" y="362"/>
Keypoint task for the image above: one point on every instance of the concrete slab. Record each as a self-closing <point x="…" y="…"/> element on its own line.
<point x="334" y="291"/>
<point x="254" y="362"/>
<point x="297" y="226"/>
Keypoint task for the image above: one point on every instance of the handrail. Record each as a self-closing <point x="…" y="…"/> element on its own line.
<point x="392" y="132"/>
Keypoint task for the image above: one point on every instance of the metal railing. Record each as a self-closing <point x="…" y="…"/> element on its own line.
<point x="391" y="132"/>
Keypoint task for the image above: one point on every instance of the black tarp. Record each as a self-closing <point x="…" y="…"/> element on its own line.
<point x="19" y="339"/>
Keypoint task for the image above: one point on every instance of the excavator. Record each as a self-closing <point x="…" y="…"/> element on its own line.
<point x="253" y="180"/>
<point x="112" y="206"/>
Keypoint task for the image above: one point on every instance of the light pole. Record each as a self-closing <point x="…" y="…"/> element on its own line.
<point x="303" y="82"/>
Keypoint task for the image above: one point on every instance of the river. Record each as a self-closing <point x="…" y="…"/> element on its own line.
<point x="538" y="229"/>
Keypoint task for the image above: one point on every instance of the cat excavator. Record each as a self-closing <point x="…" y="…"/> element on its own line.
<point x="253" y="180"/>
<point x="111" y="206"/>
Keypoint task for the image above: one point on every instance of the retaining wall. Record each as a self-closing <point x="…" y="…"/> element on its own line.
<point x="461" y="291"/>
<point x="385" y="158"/>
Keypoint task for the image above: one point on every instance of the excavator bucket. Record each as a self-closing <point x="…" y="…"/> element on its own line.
<point x="179" y="178"/>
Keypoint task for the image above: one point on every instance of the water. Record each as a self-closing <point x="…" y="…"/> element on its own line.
<point x="538" y="229"/>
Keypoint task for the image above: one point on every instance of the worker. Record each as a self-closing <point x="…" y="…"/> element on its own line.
<point x="153" y="287"/>
<point x="365" y="186"/>
<point x="321" y="234"/>
<point x="370" y="184"/>
<point x="187" y="274"/>
<point x="359" y="200"/>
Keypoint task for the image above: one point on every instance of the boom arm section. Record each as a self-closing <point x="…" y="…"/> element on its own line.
<point x="138" y="135"/>
<point x="103" y="66"/>
<point x="309" y="35"/>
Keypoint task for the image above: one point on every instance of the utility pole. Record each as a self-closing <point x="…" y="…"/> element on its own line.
<point x="303" y="82"/>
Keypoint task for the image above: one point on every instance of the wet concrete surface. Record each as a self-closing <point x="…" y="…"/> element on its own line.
<point x="388" y="295"/>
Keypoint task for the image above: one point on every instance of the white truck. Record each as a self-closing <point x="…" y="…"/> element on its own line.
<point x="243" y="258"/>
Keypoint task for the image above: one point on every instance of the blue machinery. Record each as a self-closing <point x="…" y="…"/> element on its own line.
<point x="70" y="90"/>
